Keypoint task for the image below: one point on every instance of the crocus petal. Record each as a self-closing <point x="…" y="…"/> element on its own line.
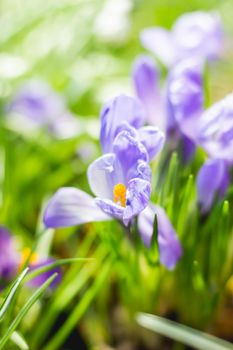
<point x="146" y="83"/>
<point x="40" y="279"/>
<point x="103" y="174"/>
<point x="115" y="113"/>
<point x="137" y="198"/>
<point x="212" y="179"/>
<point x="129" y="151"/>
<point x="69" y="207"/>
<point x="110" y="208"/>
<point x="170" y="249"/>
<point x="159" y="41"/>
<point x="145" y="224"/>
<point x="215" y="129"/>
<point x="140" y="170"/>
<point x="9" y="258"/>
<point x="153" y="140"/>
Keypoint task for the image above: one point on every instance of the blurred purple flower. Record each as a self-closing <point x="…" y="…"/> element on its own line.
<point x="195" y="34"/>
<point x="170" y="250"/>
<point x="40" y="279"/>
<point x="215" y="130"/>
<point x="120" y="179"/>
<point x="9" y="259"/>
<point x="40" y="106"/>
<point x="212" y="181"/>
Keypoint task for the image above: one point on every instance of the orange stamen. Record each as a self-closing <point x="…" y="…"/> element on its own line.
<point x="119" y="194"/>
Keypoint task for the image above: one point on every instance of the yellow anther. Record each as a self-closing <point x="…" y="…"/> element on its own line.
<point x="26" y="253"/>
<point x="119" y="194"/>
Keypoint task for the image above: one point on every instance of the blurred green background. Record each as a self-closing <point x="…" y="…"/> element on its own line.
<point x="84" y="50"/>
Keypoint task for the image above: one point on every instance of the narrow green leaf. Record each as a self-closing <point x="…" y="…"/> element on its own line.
<point x="18" y="340"/>
<point x="53" y="265"/>
<point x="181" y="333"/>
<point x="11" y="293"/>
<point x="25" y="309"/>
<point x="64" y="295"/>
<point x="79" y="310"/>
<point x="152" y="254"/>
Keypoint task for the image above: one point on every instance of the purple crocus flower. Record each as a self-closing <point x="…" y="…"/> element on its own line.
<point x="128" y="113"/>
<point x="212" y="181"/>
<point x="196" y="34"/>
<point x="120" y="179"/>
<point x="170" y="249"/>
<point x="9" y="259"/>
<point x="38" y="106"/>
<point x="40" y="279"/>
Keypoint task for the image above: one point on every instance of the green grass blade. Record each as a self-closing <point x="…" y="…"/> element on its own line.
<point x="24" y="310"/>
<point x="79" y="310"/>
<point x="64" y="295"/>
<point x="18" y="340"/>
<point x="181" y="333"/>
<point x="53" y="265"/>
<point x="11" y="293"/>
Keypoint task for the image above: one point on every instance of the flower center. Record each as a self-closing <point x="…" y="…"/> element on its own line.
<point x="119" y="194"/>
<point x="26" y="253"/>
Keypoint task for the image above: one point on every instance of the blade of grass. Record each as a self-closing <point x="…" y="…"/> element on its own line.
<point x="35" y="296"/>
<point x="53" y="265"/>
<point x="13" y="289"/>
<point x="64" y="295"/>
<point x="181" y="333"/>
<point x="18" y="340"/>
<point x="80" y="309"/>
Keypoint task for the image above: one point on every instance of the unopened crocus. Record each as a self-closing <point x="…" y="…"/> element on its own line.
<point x="9" y="258"/>
<point x="170" y="250"/>
<point x="179" y="105"/>
<point x="36" y="105"/>
<point x="212" y="182"/>
<point x="145" y="76"/>
<point x="185" y="96"/>
<point x="121" y="178"/>
<point x="195" y="34"/>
